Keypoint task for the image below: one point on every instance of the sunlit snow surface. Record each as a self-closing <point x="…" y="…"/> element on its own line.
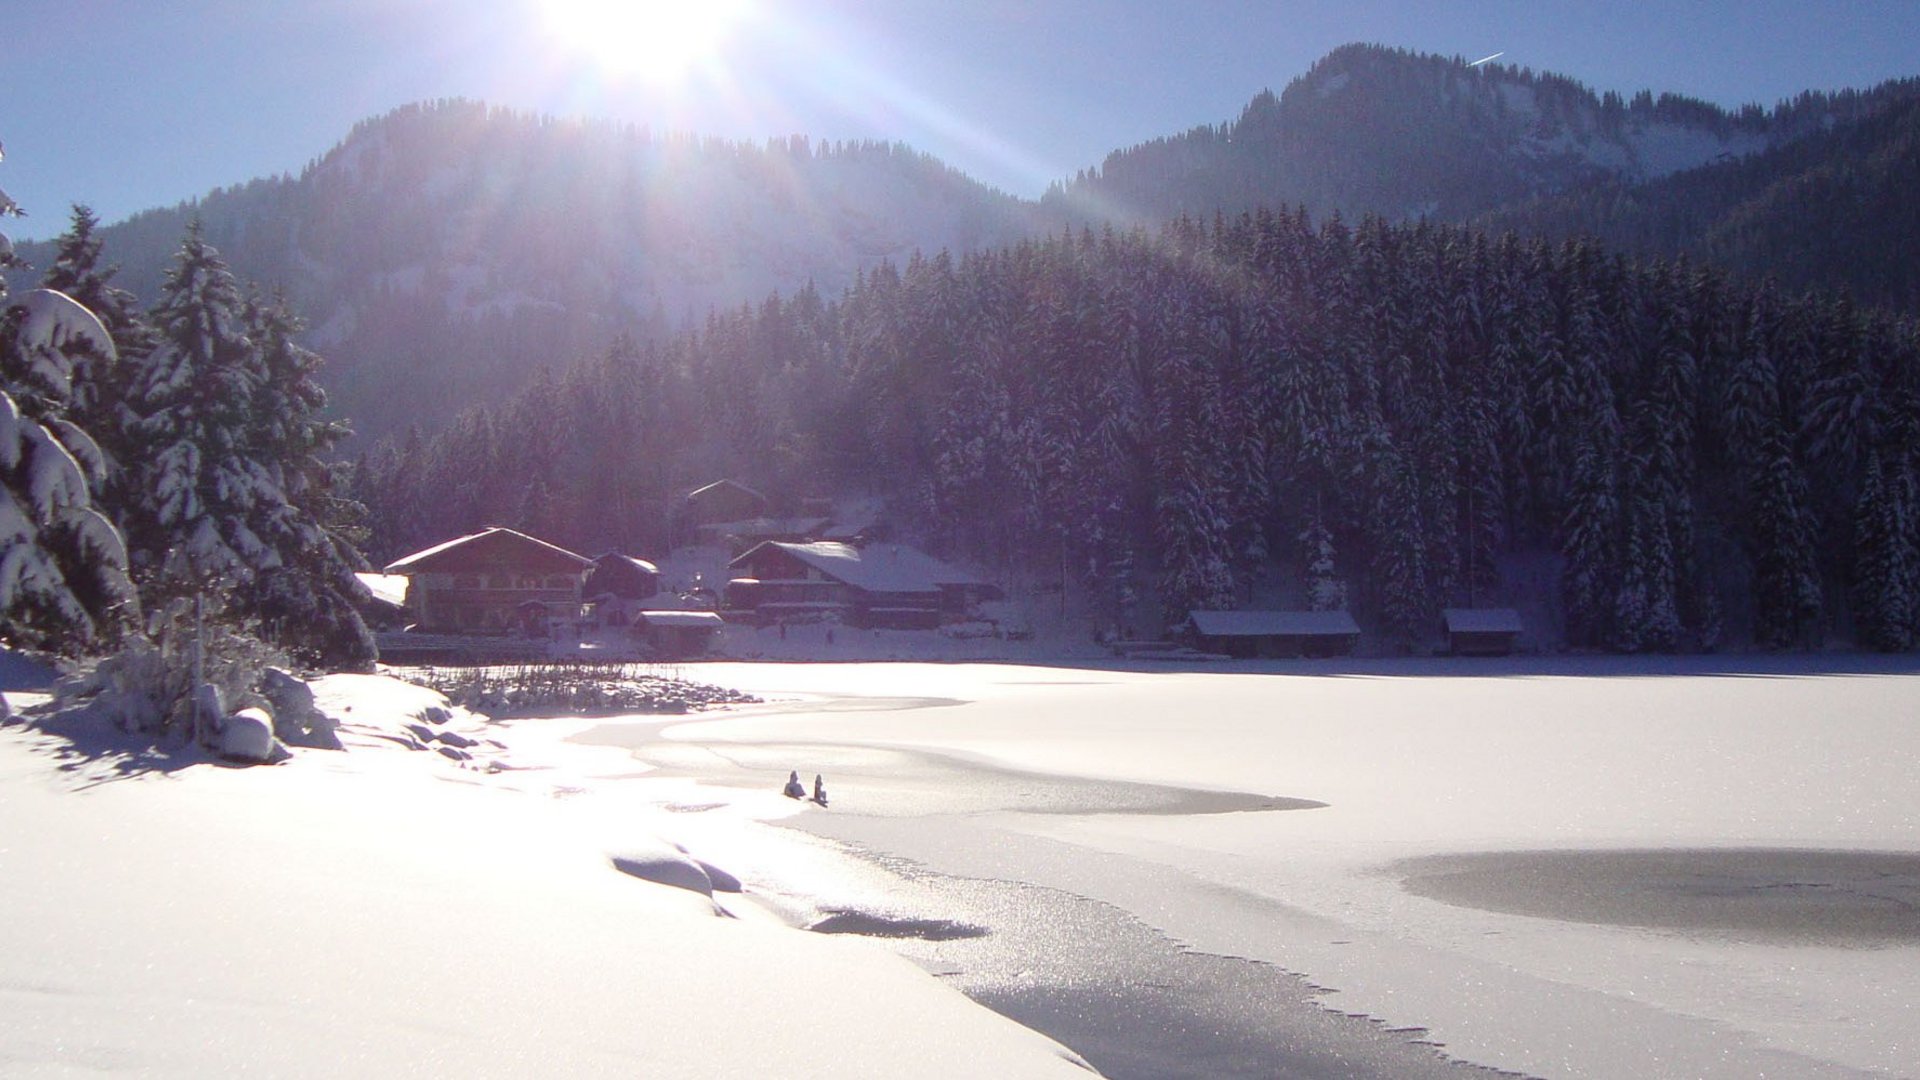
<point x="1484" y="851"/>
<point x="1808" y="969"/>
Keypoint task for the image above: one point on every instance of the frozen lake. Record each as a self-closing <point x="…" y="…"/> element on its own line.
<point x="1585" y="868"/>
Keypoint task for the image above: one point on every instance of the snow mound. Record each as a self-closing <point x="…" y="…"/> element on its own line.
<point x="656" y="860"/>
<point x="248" y="736"/>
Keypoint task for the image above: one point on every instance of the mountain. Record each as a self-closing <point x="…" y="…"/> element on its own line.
<point x="1373" y="130"/>
<point x="444" y="251"/>
<point x="1834" y="208"/>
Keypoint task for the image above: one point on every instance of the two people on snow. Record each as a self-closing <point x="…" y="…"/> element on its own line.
<point x="796" y="790"/>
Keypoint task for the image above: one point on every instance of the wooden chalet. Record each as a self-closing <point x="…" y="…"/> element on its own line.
<point x="881" y="585"/>
<point x="722" y="500"/>
<point x="1481" y="631"/>
<point x="496" y="581"/>
<point x="1255" y="634"/>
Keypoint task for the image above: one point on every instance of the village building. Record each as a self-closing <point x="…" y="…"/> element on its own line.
<point x="1259" y="634"/>
<point x="677" y="635"/>
<point x="619" y="587"/>
<point x="386" y="607"/>
<point x="721" y="501"/>
<point x="880" y="585"/>
<point x="496" y="581"/>
<point x="1481" y="631"/>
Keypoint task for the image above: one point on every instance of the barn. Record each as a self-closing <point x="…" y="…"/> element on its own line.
<point x="1251" y="634"/>
<point x="1481" y="631"/>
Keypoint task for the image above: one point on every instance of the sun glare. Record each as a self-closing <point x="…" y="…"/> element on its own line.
<point x="657" y="40"/>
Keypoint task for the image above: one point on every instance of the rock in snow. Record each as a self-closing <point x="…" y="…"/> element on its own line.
<point x="248" y="736"/>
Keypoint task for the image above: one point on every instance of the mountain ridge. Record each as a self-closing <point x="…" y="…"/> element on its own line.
<point x="444" y="251"/>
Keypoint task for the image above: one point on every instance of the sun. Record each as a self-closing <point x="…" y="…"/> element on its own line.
<point x="656" y="40"/>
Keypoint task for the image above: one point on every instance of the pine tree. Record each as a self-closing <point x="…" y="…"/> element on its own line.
<point x="1886" y="569"/>
<point x="1786" y="574"/>
<point x="1587" y="581"/>
<point x="202" y="505"/>
<point x="100" y="389"/>
<point x="63" y="565"/>
<point x="313" y="603"/>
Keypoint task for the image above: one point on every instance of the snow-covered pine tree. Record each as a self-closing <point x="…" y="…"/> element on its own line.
<point x="1886" y="568"/>
<point x="1588" y="577"/>
<point x="313" y="603"/>
<point x="1786" y="574"/>
<point x="1325" y="589"/>
<point x="201" y="504"/>
<point x="63" y="565"/>
<point x="100" y="390"/>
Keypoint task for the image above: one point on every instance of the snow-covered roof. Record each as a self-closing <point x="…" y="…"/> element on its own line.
<point x="766" y="526"/>
<point x="386" y="588"/>
<point x="886" y="568"/>
<point x="1273" y="623"/>
<point x="638" y="564"/>
<point x="681" y="618"/>
<point x="491" y="538"/>
<point x="1482" y="620"/>
<point x="723" y="485"/>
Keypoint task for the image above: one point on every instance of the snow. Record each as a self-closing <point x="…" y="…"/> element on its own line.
<point x="385" y="912"/>
<point x="693" y="619"/>
<point x="386" y="588"/>
<point x="55" y="322"/>
<point x="1419" y="759"/>
<point x="472" y="918"/>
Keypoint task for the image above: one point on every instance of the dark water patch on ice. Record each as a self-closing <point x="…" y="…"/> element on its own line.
<point x="1779" y="896"/>
<point x="877" y="924"/>
<point x="1135" y="1004"/>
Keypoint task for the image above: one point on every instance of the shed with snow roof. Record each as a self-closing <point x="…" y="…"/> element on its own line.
<point x="1250" y="634"/>
<point x="493" y="581"/>
<point x="722" y="500"/>
<point x="677" y="635"/>
<point x="1481" y="631"/>
<point x="880" y="585"/>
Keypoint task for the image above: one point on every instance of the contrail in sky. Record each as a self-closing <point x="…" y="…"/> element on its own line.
<point x="1484" y="59"/>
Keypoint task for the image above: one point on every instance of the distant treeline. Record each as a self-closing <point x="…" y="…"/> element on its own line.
<point x="1386" y="409"/>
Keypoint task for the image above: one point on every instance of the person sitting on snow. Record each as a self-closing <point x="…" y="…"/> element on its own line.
<point x="819" y="790"/>
<point x="794" y="789"/>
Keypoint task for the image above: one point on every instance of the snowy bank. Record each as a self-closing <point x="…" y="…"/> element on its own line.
<point x="384" y="912"/>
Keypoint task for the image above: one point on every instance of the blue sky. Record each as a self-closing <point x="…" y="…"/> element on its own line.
<point x="127" y="104"/>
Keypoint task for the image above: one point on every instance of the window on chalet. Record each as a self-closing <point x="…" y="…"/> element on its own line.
<point x="500" y="581"/>
<point x="529" y="581"/>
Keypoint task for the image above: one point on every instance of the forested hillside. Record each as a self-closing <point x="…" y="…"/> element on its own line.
<point x="1381" y="413"/>
<point x="443" y="252"/>
<point x="1834" y="209"/>
<point x="1816" y="191"/>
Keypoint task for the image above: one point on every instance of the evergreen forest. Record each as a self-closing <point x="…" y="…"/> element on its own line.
<point x="1389" y="417"/>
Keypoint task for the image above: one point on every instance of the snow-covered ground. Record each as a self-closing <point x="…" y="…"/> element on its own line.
<point x="381" y="910"/>
<point x="1806" y="969"/>
<point x="386" y="912"/>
